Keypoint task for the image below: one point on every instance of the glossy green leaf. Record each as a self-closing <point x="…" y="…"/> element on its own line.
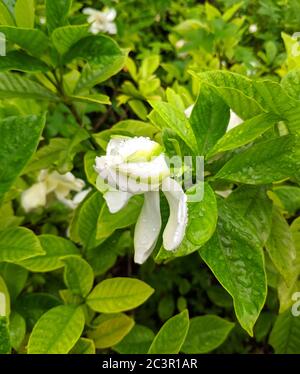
<point x="57" y="330"/>
<point x="17" y="60"/>
<point x="5" y="15"/>
<point x="17" y="244"/>
<point x="65" y="37"/>
<point x="111" y="329"/>
<point x="17" y="330"/>
<point x="285" y="336"/>
<point x="78" y="275"/>
<point x="83" y="347"/>
<point x="206" y="333"/>
<point x="54" y="248"/>
<point x="254" y="205"/>
<point x="19" y="137"/>
<point x="15" y="278"/>
<point x="235" y="257"/>
<point x="280" y="246"/>
<point x="33" y="41"/>
<point x="236" y="90"/>
<point x="177" y="121"/>
<point x="138" y="341"/>
<point x="289" y="196"/>
<point x="24" y="13"/>
<point x="209" y="119"/>
<point x="118" y="295"/>
<point x="171" y="336"/>
<point x="57" y="13"/>
<point x="85" y="224"/>
<point x="265" y="162"/>
<point x="244" y="133"/>
<point x="109" y="222"/>
<point x="13" y="85"/>
<point x="291" y="83"/>
<point x="103" y="56"/>
<point x="33" y="305"/>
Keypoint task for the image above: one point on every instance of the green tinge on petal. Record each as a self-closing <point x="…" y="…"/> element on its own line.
<point x="175" y="229"/>
<point x="144" y="156"/>
<point x="147" y="228"/>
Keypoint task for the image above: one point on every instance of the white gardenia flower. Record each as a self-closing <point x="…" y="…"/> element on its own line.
<point x="253" y="28"/>
<point x="137" y="166"/>
<point x="58" y="184"/>
<point x="101" y="21"/>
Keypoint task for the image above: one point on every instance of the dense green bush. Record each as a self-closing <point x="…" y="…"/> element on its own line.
<point x="216" y="79"/>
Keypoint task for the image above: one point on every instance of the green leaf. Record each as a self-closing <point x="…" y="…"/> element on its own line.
<point x="4" y="299"/>
<point x="244" y="133"/>
<point x="57" y="13"/>
<point x="78" y="275"/>
<point x="54" y="248"/>
<point x="19" y="137"/>
<point x="4" y="336"/>
<point x="103" y="257"/>
<point x="209" y="119"/>
<point x="13" y="85"/>
<point x="33" y="41"/>
<point x="235" y="257"/>
<point x="103" y="56"/>
<point x="280" y="246"/>
<point x="206" y="333"/>
<point x="83" y="347"/>
<point x="17" y="330"/>
<point x="138" y="341"/>
<point x="236" y="90"/>
<point x="86" y="222"/>
<point x="291" y="83"/>
<point x="289" y="197"/>
<point x="47" y="155"/>
<point x="285" y="336"/>
<point x="265" y="162"/>
<point x="118" y="295"/>
<point x="57" y="331"/>
<point x="109" y="222"/>
<point x="65" y="37"/>
<point x="177" y="121"/>
<point x="253" y="204"/>
<point x="171" y="336"/>
<point x="111" y="329"/>
<point x="24" y="13"/>
<point x="17" y="244"/>
<point x="17" y="60"/>
<point x="92" y="99"/>
<point x="5" y="16"/>
<point x="15" y="278"/>
<point x="33" y="305"/>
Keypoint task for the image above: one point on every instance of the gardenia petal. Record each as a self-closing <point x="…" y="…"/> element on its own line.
<point x="34" y="197"/>
<point x="234" y="121"/>
<point x="110" y="14"/>
<point x="176" y="225"/>
<point x="111" y="28"/>
<point x="116" y="200"/>
<point x="147" y="228"/>
<point x="89" y="11"/>
<point x="189" y="110"/>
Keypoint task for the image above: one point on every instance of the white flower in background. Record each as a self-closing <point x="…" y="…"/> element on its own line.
<point x="253" y="28"/>
<point x="54" y="183"/>
<point x="101" y="21"/>
<point x="134" y="166"/>
<point x="180" y="43"/>
<point x="234" y="120"/>
<point x="42" y="20"/>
